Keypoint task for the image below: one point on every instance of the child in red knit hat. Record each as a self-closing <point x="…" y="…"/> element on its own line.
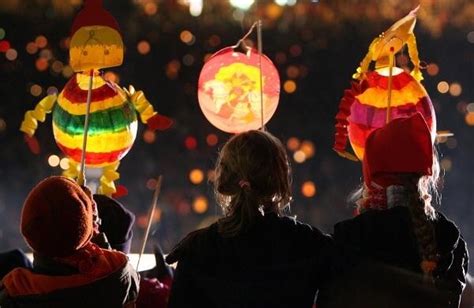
<point x="68" y="269"/>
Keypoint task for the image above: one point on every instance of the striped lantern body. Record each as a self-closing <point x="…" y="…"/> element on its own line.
<point x="112" y="121"/>
<point x="368" y="111"/>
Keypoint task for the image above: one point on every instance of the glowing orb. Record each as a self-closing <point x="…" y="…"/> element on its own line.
<point x="229" y="90"/>
<point x="368" y="110"/>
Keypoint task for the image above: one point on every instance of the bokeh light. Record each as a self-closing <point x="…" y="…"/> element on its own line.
<point x="308" y="189"/>
<point x="443" y="87"/>
<point x="200" y="205"/>
<point x="196" y="176"/>
<point x="2" y="33"/>
<point x="11" y="54"/>
<point x="190" y="143"/>
<point x="242" y="4"/>
<point x="293" y="144"/>
<point x="143" y="47"/>
<point x="149" y="136"/>
<point x="212" y="139"/>
<point x="299" y="157"/>
<point x="308" y="148"/>
<point x="289" y="86"/>
<point x="187" y="37"/>
<point x="36" y="90"/>
<point x="54" y="160"/>
<point x="4" y="46"/>
<point x="455" y="89"/>
<point x="31" y="48"/>
<point x="151" y="8"/>
<point x="41" y="41"/>
<point x="470" y="118"/>
<point x="41" y="64"/>
<point x="64" y="163"/>
<point x="446" y="164"/>
<point x="432" y="69"/>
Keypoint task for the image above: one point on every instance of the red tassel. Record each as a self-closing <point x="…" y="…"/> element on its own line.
<point x="159" y="122"/>
<point x="33" y="144"/>
<point x="122" y="191"/>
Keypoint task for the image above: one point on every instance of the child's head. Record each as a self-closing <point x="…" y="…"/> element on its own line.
<point x="252" y="176"/>
<point x="57" y="217"/>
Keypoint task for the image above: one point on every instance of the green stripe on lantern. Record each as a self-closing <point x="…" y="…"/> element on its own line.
<point x="111" y="120"/>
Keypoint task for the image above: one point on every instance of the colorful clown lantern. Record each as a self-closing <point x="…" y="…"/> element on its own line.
<point x="94" y="120"/>
<point x="384" y="94"/>
<point x="229" y="91"/>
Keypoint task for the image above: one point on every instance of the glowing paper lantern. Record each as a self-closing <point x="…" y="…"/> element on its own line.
<point x="112" y="120"/>
<point x="229" y="90"/>
<point x="384" y="94"/>
<point x="369" y="111"/>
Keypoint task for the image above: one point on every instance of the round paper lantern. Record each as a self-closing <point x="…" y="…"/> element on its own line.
<point x="369" y="107"/>
<point x="112" y="121"/>
<point x="229" y="90"/>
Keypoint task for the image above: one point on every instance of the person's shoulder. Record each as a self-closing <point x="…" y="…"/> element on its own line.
<point x="198" y="240"/>
<point x="302" y="230"/>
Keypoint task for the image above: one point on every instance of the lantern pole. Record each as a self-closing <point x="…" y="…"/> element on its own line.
<point x="390" y="80"/>
<point x="259" y="43"/>
<point x="150" y="217"/>
<point x="81" y="180"/>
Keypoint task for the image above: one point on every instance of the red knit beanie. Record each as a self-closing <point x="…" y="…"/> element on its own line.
<point x="56" y="219"/>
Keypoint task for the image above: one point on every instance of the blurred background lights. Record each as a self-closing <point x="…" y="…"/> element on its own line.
<point x="151" y="8"/>
<point x="41" y="64"/>
<point x="455" y="89"/>
<point x="470" y="118"/>
<point x="190" y="143"/>
<point x="308" y="189"/>
<point x="308" y="148"/>
<point x="195" y="7"/>
<point x="54" y="160"/>
<point x="289" y="86"/>
<point x="31" y="48"/>
<point x="41" y="41"/>
<point x="443" y="87"/>
<point x="470" y="37"/>
<point x="446" y="164"/>
<point x="211" y="140"/>
<point x="11" y="54"/>
<point x="2" y="33"/>
<point x="64" y="163"/>
<point x="432" y="69"/>
<point x="36" y="90"/>
<point x="299" y="156"/>
<point x="149" y="136"/>
<point x="187" y="37"/>
<point x="242" y="4"/>
<point x="196" y="176"/>
<point x="285" y="2"/>
<point x="143" y="47"/>
<point x="200" y="205"/>
<point x="4" y="46"/>
<point x="293" y="144"/>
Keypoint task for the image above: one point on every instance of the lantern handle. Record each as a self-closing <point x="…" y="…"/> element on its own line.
<point x="242" y="40"/>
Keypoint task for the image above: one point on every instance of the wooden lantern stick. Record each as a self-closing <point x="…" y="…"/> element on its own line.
<point x="81" y="180"/>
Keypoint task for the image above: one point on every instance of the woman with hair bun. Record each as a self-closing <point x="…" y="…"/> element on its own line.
<point x="398" y="251"/>
<point x="255" y="255"/>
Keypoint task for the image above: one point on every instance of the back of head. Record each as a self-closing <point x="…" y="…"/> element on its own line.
<point x="252" y="177"/>
<point x="56" y="218"/>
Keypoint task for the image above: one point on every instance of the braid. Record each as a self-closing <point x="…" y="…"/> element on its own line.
<point x="423" y="229"/>
<point x="364" y="64"/>
<point x="413" y="53"/>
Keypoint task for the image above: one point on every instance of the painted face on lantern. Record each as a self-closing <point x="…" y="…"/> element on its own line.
<point x="95" y="47"/>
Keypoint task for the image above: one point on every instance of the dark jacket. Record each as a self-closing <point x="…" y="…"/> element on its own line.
<point x="116" y="289"/>
<point x="279" y="262"/>
<point x="378" y="263"/>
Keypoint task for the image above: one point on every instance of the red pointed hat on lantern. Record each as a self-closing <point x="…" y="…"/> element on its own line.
<point x="402" y="146"/>
<point x="93" y="14"/>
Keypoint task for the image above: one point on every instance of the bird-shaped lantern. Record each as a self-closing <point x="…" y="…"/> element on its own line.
<point x="94" y="120"/>
<point x="385" y="93"/>
<point x="239" y="91"/>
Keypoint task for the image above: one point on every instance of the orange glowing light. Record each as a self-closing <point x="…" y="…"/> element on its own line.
<point x="196" y="176"/>
<point x="308" y="189"/>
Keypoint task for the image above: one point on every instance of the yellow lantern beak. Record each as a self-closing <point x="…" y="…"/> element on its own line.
<point x="392" y="40"/>
<point x="95" y="47"/>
